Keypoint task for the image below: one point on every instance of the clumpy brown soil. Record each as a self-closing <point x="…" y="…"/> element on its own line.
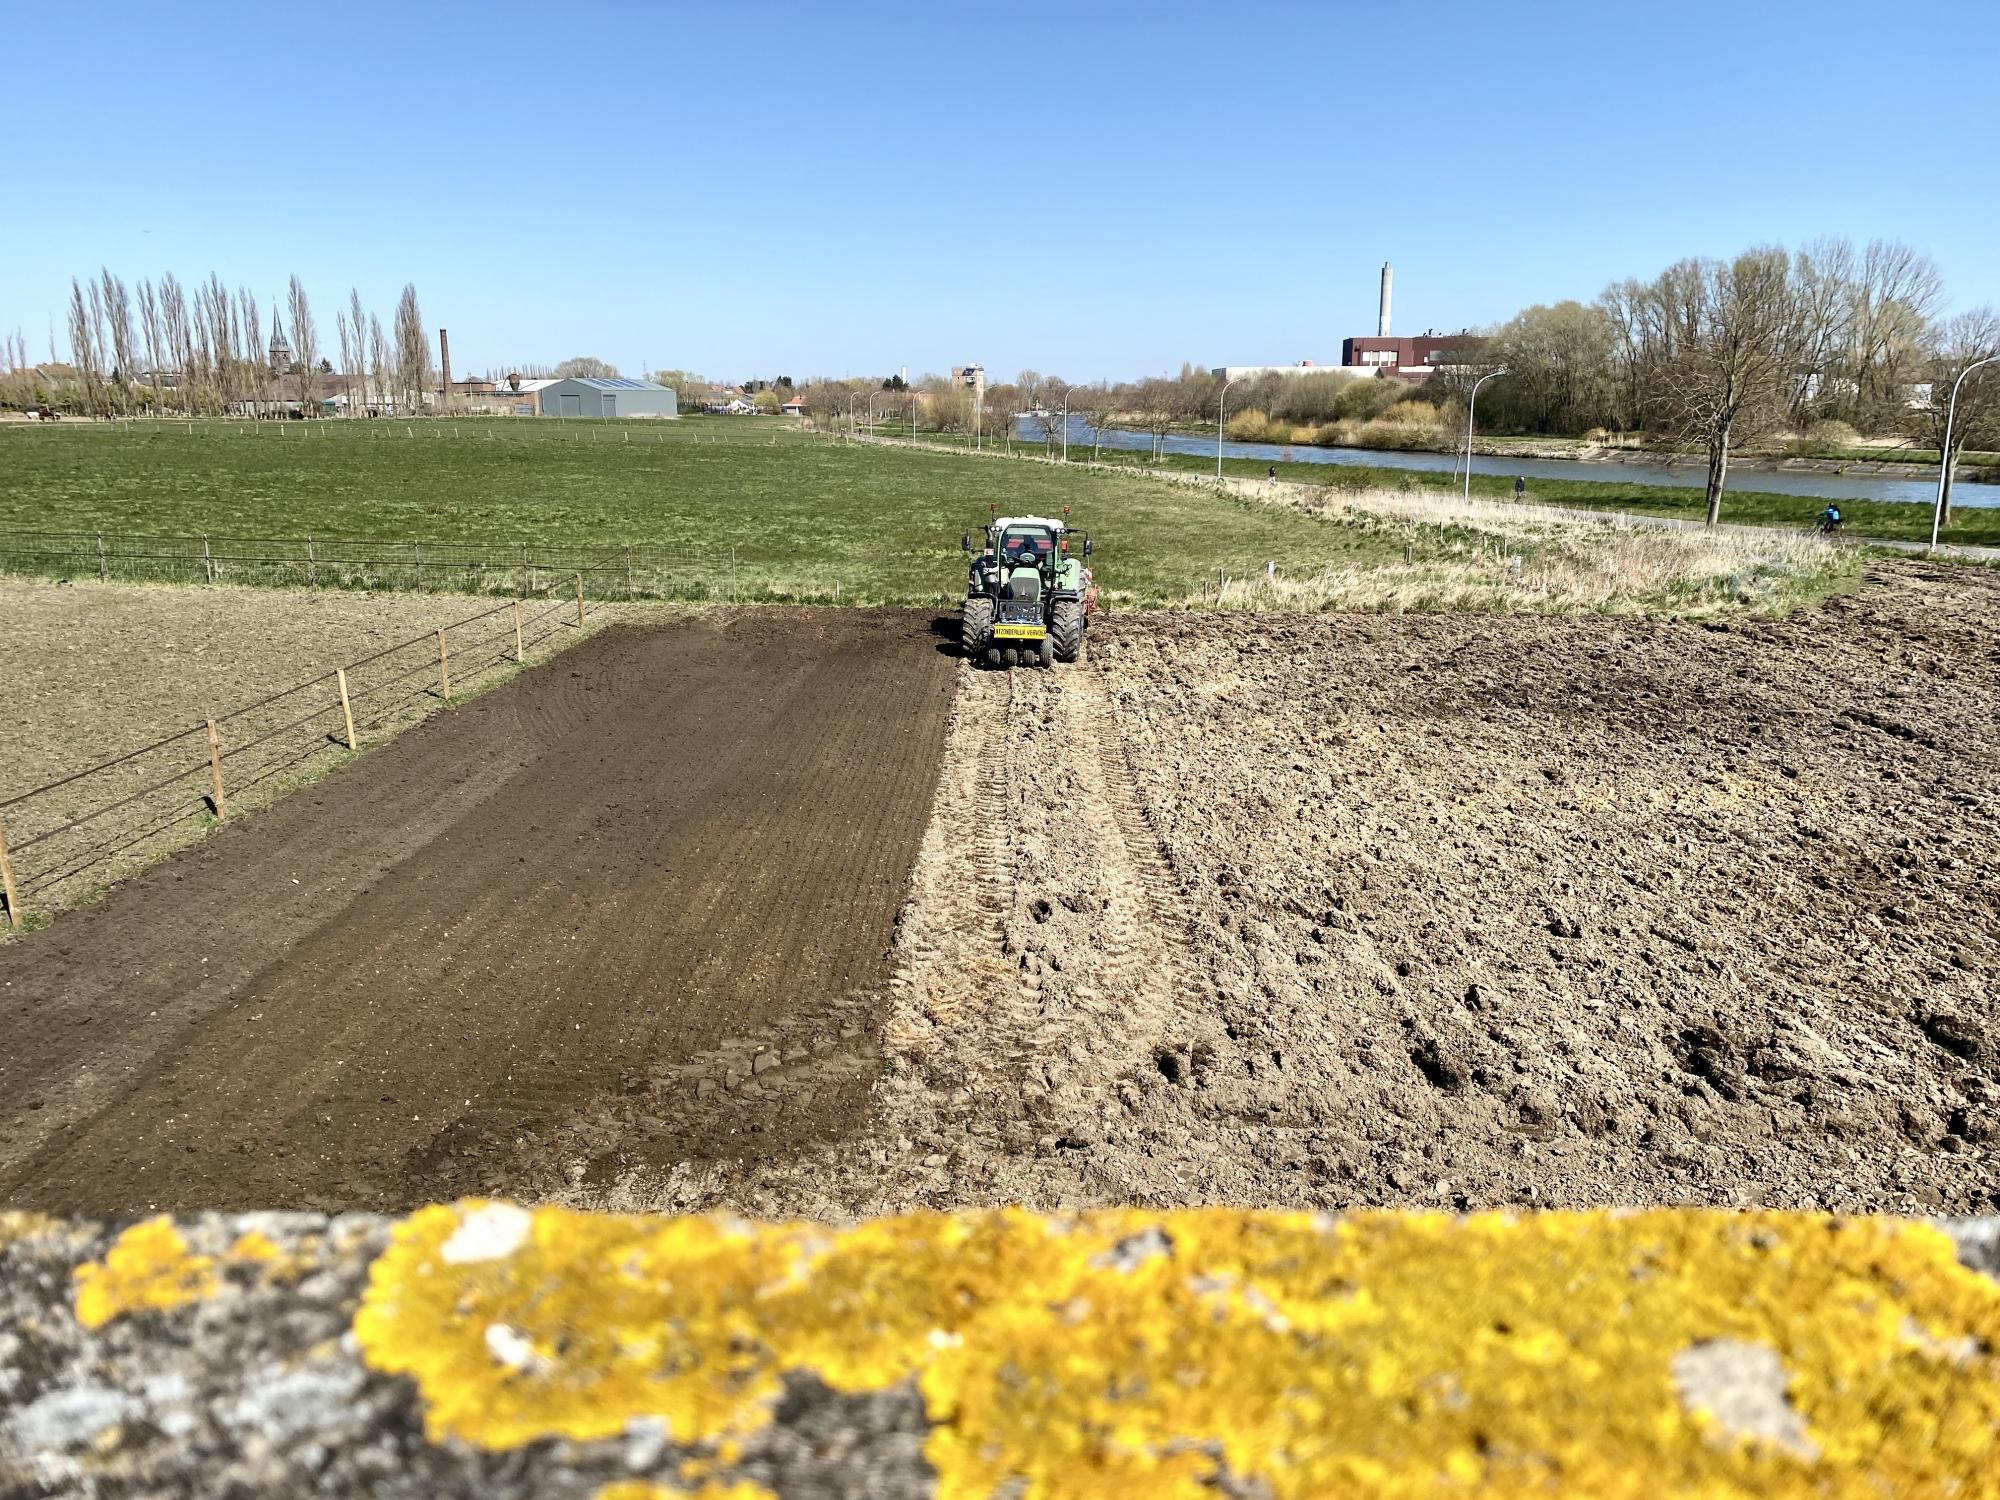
<point x="662" y="841"/>
<point x="1455" y="911"/>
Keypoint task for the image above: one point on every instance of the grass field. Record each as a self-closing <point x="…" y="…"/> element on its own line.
<point x="801" y="512"/>
<point x="789" y="516"/>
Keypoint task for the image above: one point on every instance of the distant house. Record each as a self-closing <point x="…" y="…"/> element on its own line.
<point x="587" y="396"/>
<point x="795" y="407"/>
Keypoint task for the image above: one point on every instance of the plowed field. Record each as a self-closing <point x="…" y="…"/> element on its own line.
<point x="671" y="842"/>
<point x="1332" y="910"/>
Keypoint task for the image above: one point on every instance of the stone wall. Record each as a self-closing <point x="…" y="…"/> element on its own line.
<point x="482" y="1349"/>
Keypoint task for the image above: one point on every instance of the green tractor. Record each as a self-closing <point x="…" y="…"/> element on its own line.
<point x="1028" y="597"/>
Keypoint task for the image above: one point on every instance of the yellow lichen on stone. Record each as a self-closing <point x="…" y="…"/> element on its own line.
<point x="528" y="1345"/>
<point x="148" y="1269"/>
<point x="1126" y="1353"/>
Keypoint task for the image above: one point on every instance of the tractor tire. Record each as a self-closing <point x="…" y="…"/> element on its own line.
<point x="1045" y="655"/>
<point x="1066" y="628"/>
<point x="975" y="626"/>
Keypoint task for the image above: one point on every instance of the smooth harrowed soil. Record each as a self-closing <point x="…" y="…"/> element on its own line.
<point x="616" y="860"/>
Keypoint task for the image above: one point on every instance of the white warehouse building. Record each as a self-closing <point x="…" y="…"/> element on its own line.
<point x="589" y="396"/>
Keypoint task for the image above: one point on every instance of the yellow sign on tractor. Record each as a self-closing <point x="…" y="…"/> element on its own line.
<point x="1019" y="632"/>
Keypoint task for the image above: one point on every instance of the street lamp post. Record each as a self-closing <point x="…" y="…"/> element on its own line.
<point x="1065" y="423"/>
<point x="1221" y="402"/>
<point x="1471" y="404"/>
<point x="850" y="415"/>
<point x="1944" y="458"/>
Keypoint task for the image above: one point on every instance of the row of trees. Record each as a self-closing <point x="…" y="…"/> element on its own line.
<point x="1828" y="341"/>
<point x="201" y="348"/>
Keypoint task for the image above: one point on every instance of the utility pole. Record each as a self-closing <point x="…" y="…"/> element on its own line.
<point x="1471" y="402"/>
<point x="1221" y="402"/>
<point x="1944" y="458"/>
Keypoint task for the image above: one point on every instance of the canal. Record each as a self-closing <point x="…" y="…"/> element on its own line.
<point x="1920" y="489"/>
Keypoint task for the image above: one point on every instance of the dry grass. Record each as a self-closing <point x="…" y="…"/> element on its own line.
<point x="1482" y="555"/>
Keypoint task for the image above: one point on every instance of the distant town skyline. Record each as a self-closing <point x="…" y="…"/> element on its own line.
<point x="1107" y="195"/>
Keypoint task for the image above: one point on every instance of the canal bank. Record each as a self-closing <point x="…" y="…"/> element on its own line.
<point x="1635" y="470"/>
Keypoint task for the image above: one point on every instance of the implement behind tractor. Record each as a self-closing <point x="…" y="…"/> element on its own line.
<point x="1027" y="600"/>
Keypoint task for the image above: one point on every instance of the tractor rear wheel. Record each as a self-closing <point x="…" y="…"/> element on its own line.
<point x="975" y="626"/>
<point x="1066" y="628"/>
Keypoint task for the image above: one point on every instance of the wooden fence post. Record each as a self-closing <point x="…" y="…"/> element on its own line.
<point x="103" y="570"/>
<point x="312" y="566"/>
<point x="207" y="561"/>
<point x="418" y="549"/>
<point x="215" y="771"/>
<point x="579" y="601"/>
<point x="346" y="712"/>
<point x="7" y="882"/>
<point x="518" y="658"/>
<point x="444" y="668"/>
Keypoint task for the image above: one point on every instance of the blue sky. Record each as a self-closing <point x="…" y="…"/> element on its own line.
<point x="1089" y="190"/>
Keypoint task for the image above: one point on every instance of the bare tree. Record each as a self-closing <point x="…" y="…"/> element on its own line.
<point x="83" y="349"/>
<point x="378" y="360"/>
<point x="149" y="330"/>
<point x="583" y="367"/>
<point x="1096" y="404"/>
<point x="305" y="347"/>
<point x="1157" y="404"/>
<point x="1824" y="288"/>
<point x="413" y="349"/>
<point x="252" y="357"/>
<point x="1896" y="293"/>
<point x="357" y="327"/>
<point x="175" y="329"/>
<point x="1738" y="334"/>
<point x="348" y="362"/>
<point x="117" y="304"/>
<point x="1952" y="347"/>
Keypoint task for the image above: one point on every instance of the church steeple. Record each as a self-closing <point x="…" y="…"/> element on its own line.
<point x="281" y="352"/>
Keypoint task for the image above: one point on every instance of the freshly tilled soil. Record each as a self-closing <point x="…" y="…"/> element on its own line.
<point x="1455" y="911"/>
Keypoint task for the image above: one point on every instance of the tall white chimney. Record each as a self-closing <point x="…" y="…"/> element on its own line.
<point x="1382" y="321"/>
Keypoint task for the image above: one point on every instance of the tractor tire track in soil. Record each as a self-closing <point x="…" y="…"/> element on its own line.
<point x="638" y="902"/>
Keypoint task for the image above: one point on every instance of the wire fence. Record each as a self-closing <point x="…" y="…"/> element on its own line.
<point x="83" y="830"/>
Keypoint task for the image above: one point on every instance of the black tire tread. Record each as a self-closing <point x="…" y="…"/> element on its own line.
<point x="975" y="625"/>
<point x="1066" y="628"/>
